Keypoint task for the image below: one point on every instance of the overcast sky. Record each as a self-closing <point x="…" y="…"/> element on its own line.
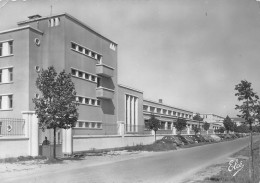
<point x="190" y="53"/>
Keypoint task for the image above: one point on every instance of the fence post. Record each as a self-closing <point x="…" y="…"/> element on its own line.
<point x="174" y="131"/>
<point x="31" y="130"/>
<point x="67" y="141"/>
<point x="121" y="128"/>
<point x="188" y="130"/>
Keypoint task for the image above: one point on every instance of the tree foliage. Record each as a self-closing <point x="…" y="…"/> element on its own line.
<point x="250" y="107"/>
<point x="56" y="106"/>
<point x="153" y="124"/>
<point x="242" y="129"/>
<point x="180" y="124"/>
<point x="196" y="129"/>
<point x="197" y="117"/>
<point x="220" y="130"/>
<point x="228" y="124"/>
<point x="206" y="126"/>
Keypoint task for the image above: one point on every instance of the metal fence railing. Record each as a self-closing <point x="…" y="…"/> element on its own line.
<point x="137" y="129"/>
<point x="104" y="129"/>
<point x="12" y="127"/>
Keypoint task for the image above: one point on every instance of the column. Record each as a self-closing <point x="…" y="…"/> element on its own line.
<point x="136" y="114"/>
<point x="132" y="114"/>
<point x="128" y="112"/>
<point x="31" y="131"/>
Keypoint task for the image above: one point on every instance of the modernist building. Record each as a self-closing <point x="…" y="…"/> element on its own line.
<point x="106" y="107"/>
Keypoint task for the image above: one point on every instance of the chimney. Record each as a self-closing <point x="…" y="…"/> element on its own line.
<point x="160" y="101"/>
<point x="34" y="17"/>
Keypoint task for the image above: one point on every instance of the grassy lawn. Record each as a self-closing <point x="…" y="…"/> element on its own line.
<point x="242" y="176"/>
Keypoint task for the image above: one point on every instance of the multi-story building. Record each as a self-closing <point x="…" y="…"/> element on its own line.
<point x="68" y="44"/>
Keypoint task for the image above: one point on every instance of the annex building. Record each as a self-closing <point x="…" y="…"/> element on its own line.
<point x="110" y="114"/>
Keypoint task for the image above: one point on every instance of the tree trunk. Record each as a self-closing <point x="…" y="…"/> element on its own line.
<point x="252" y="156"/>
<point x="251" y="160"/>
<point x="54" y="145"/>
<point x="154" y="135"/>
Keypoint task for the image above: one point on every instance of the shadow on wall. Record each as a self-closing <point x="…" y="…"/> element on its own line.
<point x="108" y="83"/>
<point x="108" y="107"/>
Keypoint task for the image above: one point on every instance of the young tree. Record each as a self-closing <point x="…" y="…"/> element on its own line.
<point x="56" y="107"/>
<point x="199" y="119"/>
<point x="195" y="129"/>
<point x="248" y="111"/>
<point x="180" y="124"/>
<point x="206" y="126"/>
<point x="153" y="124"/>
<point x="228" y="124"/>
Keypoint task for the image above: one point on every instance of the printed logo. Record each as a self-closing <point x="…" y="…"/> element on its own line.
<point x="235" y="166"/>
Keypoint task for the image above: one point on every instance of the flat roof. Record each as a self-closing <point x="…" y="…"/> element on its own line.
<point x="70" y="17"/>
<point x="166" y="105"/>
<point x="21" y="28"/>
<point x="130" y="88"/>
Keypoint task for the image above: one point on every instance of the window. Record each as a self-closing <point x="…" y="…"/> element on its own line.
<point x="87" y="124"/>
<point x="10" y="101"/>
<point x="6" y="75"/>
<point x="54" y="22"/>
<point x="83" y="75"/>
<point x="10" y="74"/>
<point x="93" y="78"/>
<point x="87" y="76"/>
<point x="98" y="82"/>
<point x="86" y="101"/>
<point x="98" y="102"/>
<point x="6" y="102"/>
<point x="80" y="100"/>
<point x="6" y="48"/>
<point x="99" y="125"/>
<point x="87" y="52"/>
<point x="80" y="74"/>
<point x="73" y="46"/>
<point x="169" y="126"/>
<point x="93" y="125"/>
<point x="80" y="124"/>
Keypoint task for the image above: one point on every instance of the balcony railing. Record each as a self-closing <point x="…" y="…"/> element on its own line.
<point x="104" y="93"/>
<point x="104" y="70"/>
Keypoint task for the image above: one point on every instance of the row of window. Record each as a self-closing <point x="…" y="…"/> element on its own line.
<point x="83" y="124"/>
<point x="87" y="101"/>
<point x="6" y="48"/>
<point x="165" y="112"/>
<point x="87" y="52"/>
<point x="6" y="75"/>
<point x="6" y="102"/>
<point x="83" y="75"/>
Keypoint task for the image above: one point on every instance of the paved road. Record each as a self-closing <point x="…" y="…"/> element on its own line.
<point x="170" y="167"/>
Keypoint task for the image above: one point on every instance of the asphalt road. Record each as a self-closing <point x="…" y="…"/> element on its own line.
<point x="172" y="167"/>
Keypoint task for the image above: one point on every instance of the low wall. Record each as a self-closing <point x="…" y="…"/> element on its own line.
<point x="13" y="146"/>
<point x="85" y="143"/>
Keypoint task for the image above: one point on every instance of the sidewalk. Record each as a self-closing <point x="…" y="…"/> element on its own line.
<point x="39" y="167"/>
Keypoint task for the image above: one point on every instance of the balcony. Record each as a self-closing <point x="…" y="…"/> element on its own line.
<point x="104" y="70"/>
<point x="104" y="93"/>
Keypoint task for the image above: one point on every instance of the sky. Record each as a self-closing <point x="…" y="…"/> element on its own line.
<point x="189" y="53"/>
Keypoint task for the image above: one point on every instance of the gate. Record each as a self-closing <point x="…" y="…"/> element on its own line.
<point x="46" y="142"/>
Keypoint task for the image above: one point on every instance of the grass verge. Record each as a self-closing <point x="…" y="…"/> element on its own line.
<point x="242" y="176"/>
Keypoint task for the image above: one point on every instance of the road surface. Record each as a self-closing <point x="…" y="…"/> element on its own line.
<point x="172" y="167"/>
